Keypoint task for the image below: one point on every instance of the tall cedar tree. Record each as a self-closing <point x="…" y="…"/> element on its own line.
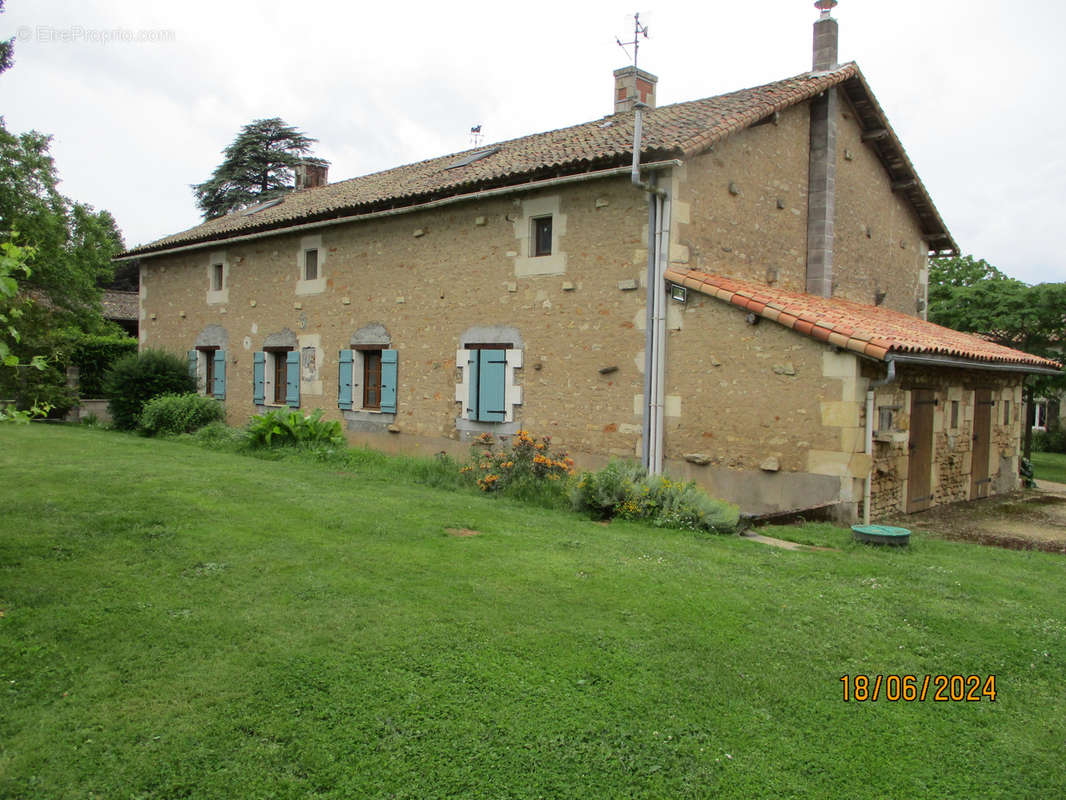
<point x="258" y="166"/>
<point x="970" y="294"/>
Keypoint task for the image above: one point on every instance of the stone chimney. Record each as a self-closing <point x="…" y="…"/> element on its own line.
<point x="825" y="38"/>
<point x="632" y="85"/>
<point x="309" y="175"/>
<point x="821" y="189"/>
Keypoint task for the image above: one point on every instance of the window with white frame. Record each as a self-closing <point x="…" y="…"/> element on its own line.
<point x="310" y="265"/>
<point x="488" y="389"/>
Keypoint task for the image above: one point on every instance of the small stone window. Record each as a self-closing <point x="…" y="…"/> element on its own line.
<point x="311" y="264"/>
<point x="542" y="236"/>
<point x="217" y="277"/>
<point x="954" y="414"/>
<point x="1006" y="412"/>
<point x="885" y="418"/>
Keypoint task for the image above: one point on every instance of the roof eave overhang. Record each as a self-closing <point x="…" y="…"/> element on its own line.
<point x="930" y="360"/>
<point x="879" y="135"/>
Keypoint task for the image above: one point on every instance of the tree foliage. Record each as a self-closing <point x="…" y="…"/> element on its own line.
<point x="258" y="166"/>
<point x="970" y="294"/>
<point x="7" y="49"/>
<point x="68" y="248"/>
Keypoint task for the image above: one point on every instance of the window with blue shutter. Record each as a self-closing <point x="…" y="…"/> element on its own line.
<point x="292" y="378"/>
<point x="219" y="387"/>
<point x="345" y="369"/>
<point x="194" y="362"/>
<point x="488" y="384"/>
<point x="388" y="381"/>
<point x="259" y="378"/>
<point x="492" y="385"/>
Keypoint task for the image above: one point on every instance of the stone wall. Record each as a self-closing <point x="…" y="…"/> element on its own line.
<point x="762" y="413"/>
<point x="878" y="251"/>
<point x="747" y="204"/>
<point x="427" y="277"/>
<point x="746" y="207"/>
<point x="952" y="445"/>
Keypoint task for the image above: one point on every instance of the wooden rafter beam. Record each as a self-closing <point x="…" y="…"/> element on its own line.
<point x="876" y="133"/>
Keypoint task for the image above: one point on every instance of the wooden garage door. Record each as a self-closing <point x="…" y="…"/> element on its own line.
<point x="982" y="436"/>
<point x="920" y="462"/>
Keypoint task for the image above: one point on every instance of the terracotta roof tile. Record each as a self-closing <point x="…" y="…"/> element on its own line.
<point x="675" y="131"/>
<point x="871" y="330"/>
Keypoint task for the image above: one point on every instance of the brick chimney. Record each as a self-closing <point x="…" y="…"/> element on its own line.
<point x="632" y="85"/>
<point x="821" y="195"/>
<point x="309" y="175"/>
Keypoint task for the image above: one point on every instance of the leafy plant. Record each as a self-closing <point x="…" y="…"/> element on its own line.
<point x="281" y="427"/>
<point x="625" y="490"/>
<point x="521" y="462"/>
<point x="136" y="379"/>
<point x="178" y="413"/>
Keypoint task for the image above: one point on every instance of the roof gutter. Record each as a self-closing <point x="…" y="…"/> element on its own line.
<point x="964" y="363"/>
<point x="459" y="198"/>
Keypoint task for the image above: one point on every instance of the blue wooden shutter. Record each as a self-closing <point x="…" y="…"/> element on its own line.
<point x="388" y="381"/>
<point x="491" y="399"/>
<point x="345" y="365"/>
<point x="471" y="368"/>
<point x="292" y="378"/>
<point x="194" y="360"/>
<point x="219" y="389"/>
<point x="259" y="378"/>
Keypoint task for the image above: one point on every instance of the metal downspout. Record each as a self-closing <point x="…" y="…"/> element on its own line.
<point x="654" y="329"/>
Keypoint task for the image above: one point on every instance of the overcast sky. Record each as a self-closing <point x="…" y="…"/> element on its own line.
<point x="972" y="88"/>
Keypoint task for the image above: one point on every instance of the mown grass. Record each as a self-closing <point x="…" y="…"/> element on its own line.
<point x="186" y="623"/>
<point x="1049" y="467"/>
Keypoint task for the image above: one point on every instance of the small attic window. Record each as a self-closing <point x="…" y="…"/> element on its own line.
<point x="260" y="206"/>
<point x="470" y="158"/>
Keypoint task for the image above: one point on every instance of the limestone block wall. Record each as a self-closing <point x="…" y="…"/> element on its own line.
<point x="952" y="465"/>
<point x="426" y="278"/>
<point x="879" y="252"/>
<point x="747" y="204"/>
<point x="763" y="415"/>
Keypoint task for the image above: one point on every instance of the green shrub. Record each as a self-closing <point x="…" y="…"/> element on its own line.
<point x="135" y="379"/>
<point x="171" y="414"/>
<point x="625" y="490"/>
<point x="1050" y="441"/>
<point x="94" y="355"/>
<point x="280" y="427"/>
<point x="523" y="467"/>
<point x="602" y="493"/>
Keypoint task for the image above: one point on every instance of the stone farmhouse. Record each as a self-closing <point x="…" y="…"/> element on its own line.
<point x="744" y="307"/>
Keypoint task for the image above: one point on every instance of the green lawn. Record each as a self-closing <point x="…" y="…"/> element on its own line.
<point x="183" y="623"/>
<point x="1050" y="467"/>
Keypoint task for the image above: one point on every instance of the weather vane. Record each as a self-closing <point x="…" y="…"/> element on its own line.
<point x="638" y="31"/>
<point x="475" y="135"/>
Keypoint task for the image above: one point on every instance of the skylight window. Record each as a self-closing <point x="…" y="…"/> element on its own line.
<point x="470" y="158"/>
<point x="260" y="206"/>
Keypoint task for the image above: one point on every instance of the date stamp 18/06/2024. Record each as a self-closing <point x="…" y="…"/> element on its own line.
<point x="918" y="688"/>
